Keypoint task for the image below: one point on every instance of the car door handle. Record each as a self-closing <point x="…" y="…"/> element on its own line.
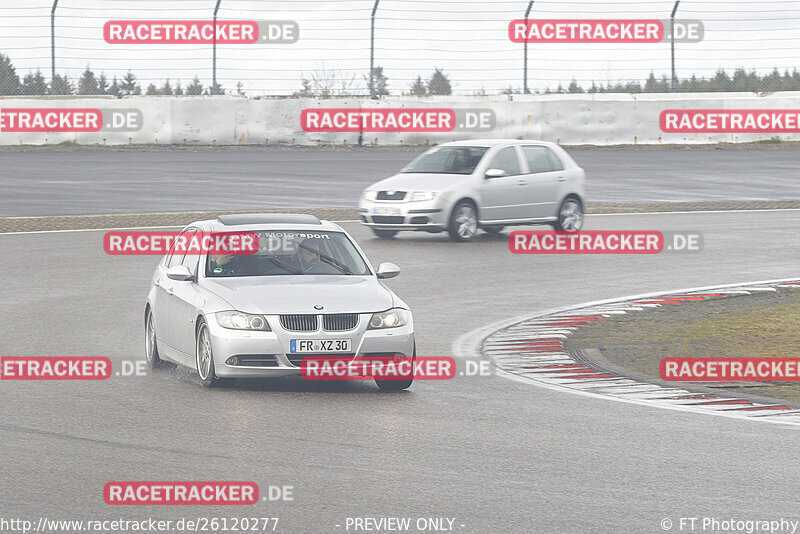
<point x="560" y="178"/>
<point x="170" y="291"/>
<point x="521" y="182"/>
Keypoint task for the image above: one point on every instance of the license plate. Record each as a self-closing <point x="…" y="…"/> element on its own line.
<point x="317" y="346"/>
<point x="386" y="211"/>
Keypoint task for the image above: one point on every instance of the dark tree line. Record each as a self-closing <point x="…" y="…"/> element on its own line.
<point x="740" y="81"/>
<point x="34" y="83"/>
<point x="329" y="84"/>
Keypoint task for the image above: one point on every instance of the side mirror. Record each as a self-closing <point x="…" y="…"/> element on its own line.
<point x="495" y="173"/>
<point x="180" y="273"/>
<point x="388" y="270"/>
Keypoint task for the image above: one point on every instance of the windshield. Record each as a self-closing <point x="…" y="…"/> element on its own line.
<point x="447" y="160"/>
<point x="291" y="252"/>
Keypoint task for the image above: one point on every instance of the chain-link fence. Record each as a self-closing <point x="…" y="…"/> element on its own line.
<point x="416" y="47"/>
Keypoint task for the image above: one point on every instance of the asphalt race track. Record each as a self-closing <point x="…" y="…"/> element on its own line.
<point x="495" y="454"/>
<point x="93" y="181"/>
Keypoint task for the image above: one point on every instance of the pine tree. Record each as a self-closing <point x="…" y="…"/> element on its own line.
<point x="418" y="87"/>
<point x="9" y="81"/>
<point x="128" y="86"/>
<point x="166" y="89"/>
<point x="439" y="84"/>
<point x="102" y="85"/>
<point x="195" y="88"/>
<point x="61" y="85"/>
<point x="87" y="85"/>
<point x="34" y="84"/>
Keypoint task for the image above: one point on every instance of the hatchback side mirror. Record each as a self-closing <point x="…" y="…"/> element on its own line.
<point x="180" y="273"/>
<point x="495" y="173"/>
<point x="388" y="270"/>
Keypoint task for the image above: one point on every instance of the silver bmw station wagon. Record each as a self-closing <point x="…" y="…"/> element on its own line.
<point x="308" y="291"/>
<point x="465" y="185"/>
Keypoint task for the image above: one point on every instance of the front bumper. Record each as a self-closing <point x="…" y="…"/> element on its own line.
<point x="430" y="215"/>
<point x="270" y="350"/>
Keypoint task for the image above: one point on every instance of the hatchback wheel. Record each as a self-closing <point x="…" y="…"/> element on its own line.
<point x="570" y="215"/>
<point x="204" y="357"/>
<point x="463" y="222"/>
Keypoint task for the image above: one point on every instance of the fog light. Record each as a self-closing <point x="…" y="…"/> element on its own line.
<point x="233" y="360"/>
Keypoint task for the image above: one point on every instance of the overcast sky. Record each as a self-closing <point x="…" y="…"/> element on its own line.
<point x="466" y="38"/>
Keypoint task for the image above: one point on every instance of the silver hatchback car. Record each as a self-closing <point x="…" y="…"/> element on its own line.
<point x="465" y="185"/>
<point x="308" y="291"/>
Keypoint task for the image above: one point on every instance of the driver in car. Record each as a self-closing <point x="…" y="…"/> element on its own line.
<point x="308" y="255"/>
<point x="462" y="161"/>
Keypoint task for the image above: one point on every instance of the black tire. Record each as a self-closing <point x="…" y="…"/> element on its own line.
<point x="150" y="342"/>
<point x="463" y="225"/>
<point x="384" y="234"/>
<point x="493" y="229"/>
<point x="398" y="385"/>
<point x="570" y="215"/>
<point x="210" y="379"/>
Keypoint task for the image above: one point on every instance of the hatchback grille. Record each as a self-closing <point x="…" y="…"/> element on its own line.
<point x="387" y="219"/>
<point x="299" y="323"/>
<point x="339" y="322"/>
<point x="394" y="195"/>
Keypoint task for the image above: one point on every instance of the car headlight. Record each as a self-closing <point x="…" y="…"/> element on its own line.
<point x="242" y="321"/>
<point x="370" y="195"/>
<point x="418" y="196"/>
<point x="389" y="319"/>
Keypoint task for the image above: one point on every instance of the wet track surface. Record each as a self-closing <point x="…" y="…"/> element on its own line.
<point x="496" y="455"/>
<point x="133" y="181"/>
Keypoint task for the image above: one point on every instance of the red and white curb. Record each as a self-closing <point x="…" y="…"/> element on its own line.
<point x="531" y="349"/>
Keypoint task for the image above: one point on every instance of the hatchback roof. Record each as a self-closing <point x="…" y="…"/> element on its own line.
<point x="495" y="142"/>
<point x="267" y="218"/>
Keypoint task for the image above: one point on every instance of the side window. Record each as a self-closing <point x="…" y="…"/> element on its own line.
<point x="506" y="160"/>
<point x="190" y="259"/>
<point x="172" y="259"/>
<point x="540" y="159"/>
<point x="555" y="161"/>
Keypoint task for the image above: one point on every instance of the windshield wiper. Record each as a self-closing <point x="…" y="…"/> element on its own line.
<point x="344" y="269"/>
<point x="341" y="267"/>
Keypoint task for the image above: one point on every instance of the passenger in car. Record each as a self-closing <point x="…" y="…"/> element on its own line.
<point x="461" y="162"/>
<point x="225" y="265"/>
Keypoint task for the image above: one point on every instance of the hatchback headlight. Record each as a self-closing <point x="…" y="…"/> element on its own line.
<point x="242" y="321"/>
<point x="370" y="195"/>
<point x="418" y="196"/>
<point x="389" y="319"/>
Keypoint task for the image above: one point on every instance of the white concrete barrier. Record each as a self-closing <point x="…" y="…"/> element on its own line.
<point x="592" y="119"/>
